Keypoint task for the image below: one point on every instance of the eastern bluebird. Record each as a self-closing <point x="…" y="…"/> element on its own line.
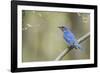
<point x="70" y="38"/>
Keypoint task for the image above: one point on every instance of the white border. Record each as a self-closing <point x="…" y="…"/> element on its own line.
<point x="53" y="63"/>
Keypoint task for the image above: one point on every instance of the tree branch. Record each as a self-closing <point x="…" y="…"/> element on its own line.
<point x="63" y="53"/>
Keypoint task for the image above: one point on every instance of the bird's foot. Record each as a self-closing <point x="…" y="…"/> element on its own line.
<point x="71" y="47"/>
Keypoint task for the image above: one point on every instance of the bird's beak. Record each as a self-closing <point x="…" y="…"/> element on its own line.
<point x="61" y="28"/>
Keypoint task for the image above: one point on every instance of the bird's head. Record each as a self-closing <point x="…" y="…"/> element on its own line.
<point x="62" y="28"/>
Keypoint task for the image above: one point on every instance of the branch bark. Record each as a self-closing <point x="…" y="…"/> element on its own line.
<point x="80" y="40"/>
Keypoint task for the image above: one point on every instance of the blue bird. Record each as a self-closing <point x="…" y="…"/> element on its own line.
<point x="70" y="38"/>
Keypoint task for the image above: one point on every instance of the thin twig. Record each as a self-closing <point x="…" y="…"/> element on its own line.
<point x="63" y="53"/>
<point x="83" y="38"/>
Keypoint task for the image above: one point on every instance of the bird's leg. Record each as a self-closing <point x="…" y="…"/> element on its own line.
<point x="71" y="47"/>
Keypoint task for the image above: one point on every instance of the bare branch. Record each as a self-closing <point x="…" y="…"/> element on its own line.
<point x="83" y="38"/>
<point x="80" y="40"/>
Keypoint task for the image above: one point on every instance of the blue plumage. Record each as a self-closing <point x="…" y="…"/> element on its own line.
<point x="70" y="38"/>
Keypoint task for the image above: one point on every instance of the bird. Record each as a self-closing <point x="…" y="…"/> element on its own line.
<point x="70" y="38"/>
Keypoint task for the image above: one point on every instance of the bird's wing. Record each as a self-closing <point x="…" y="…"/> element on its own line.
<point x="69" y="38"/>
<point x="70" y="33"/>
<point x="67" y="41"/>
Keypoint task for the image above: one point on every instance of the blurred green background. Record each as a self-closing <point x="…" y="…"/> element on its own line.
<point x="42" y="40"/>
